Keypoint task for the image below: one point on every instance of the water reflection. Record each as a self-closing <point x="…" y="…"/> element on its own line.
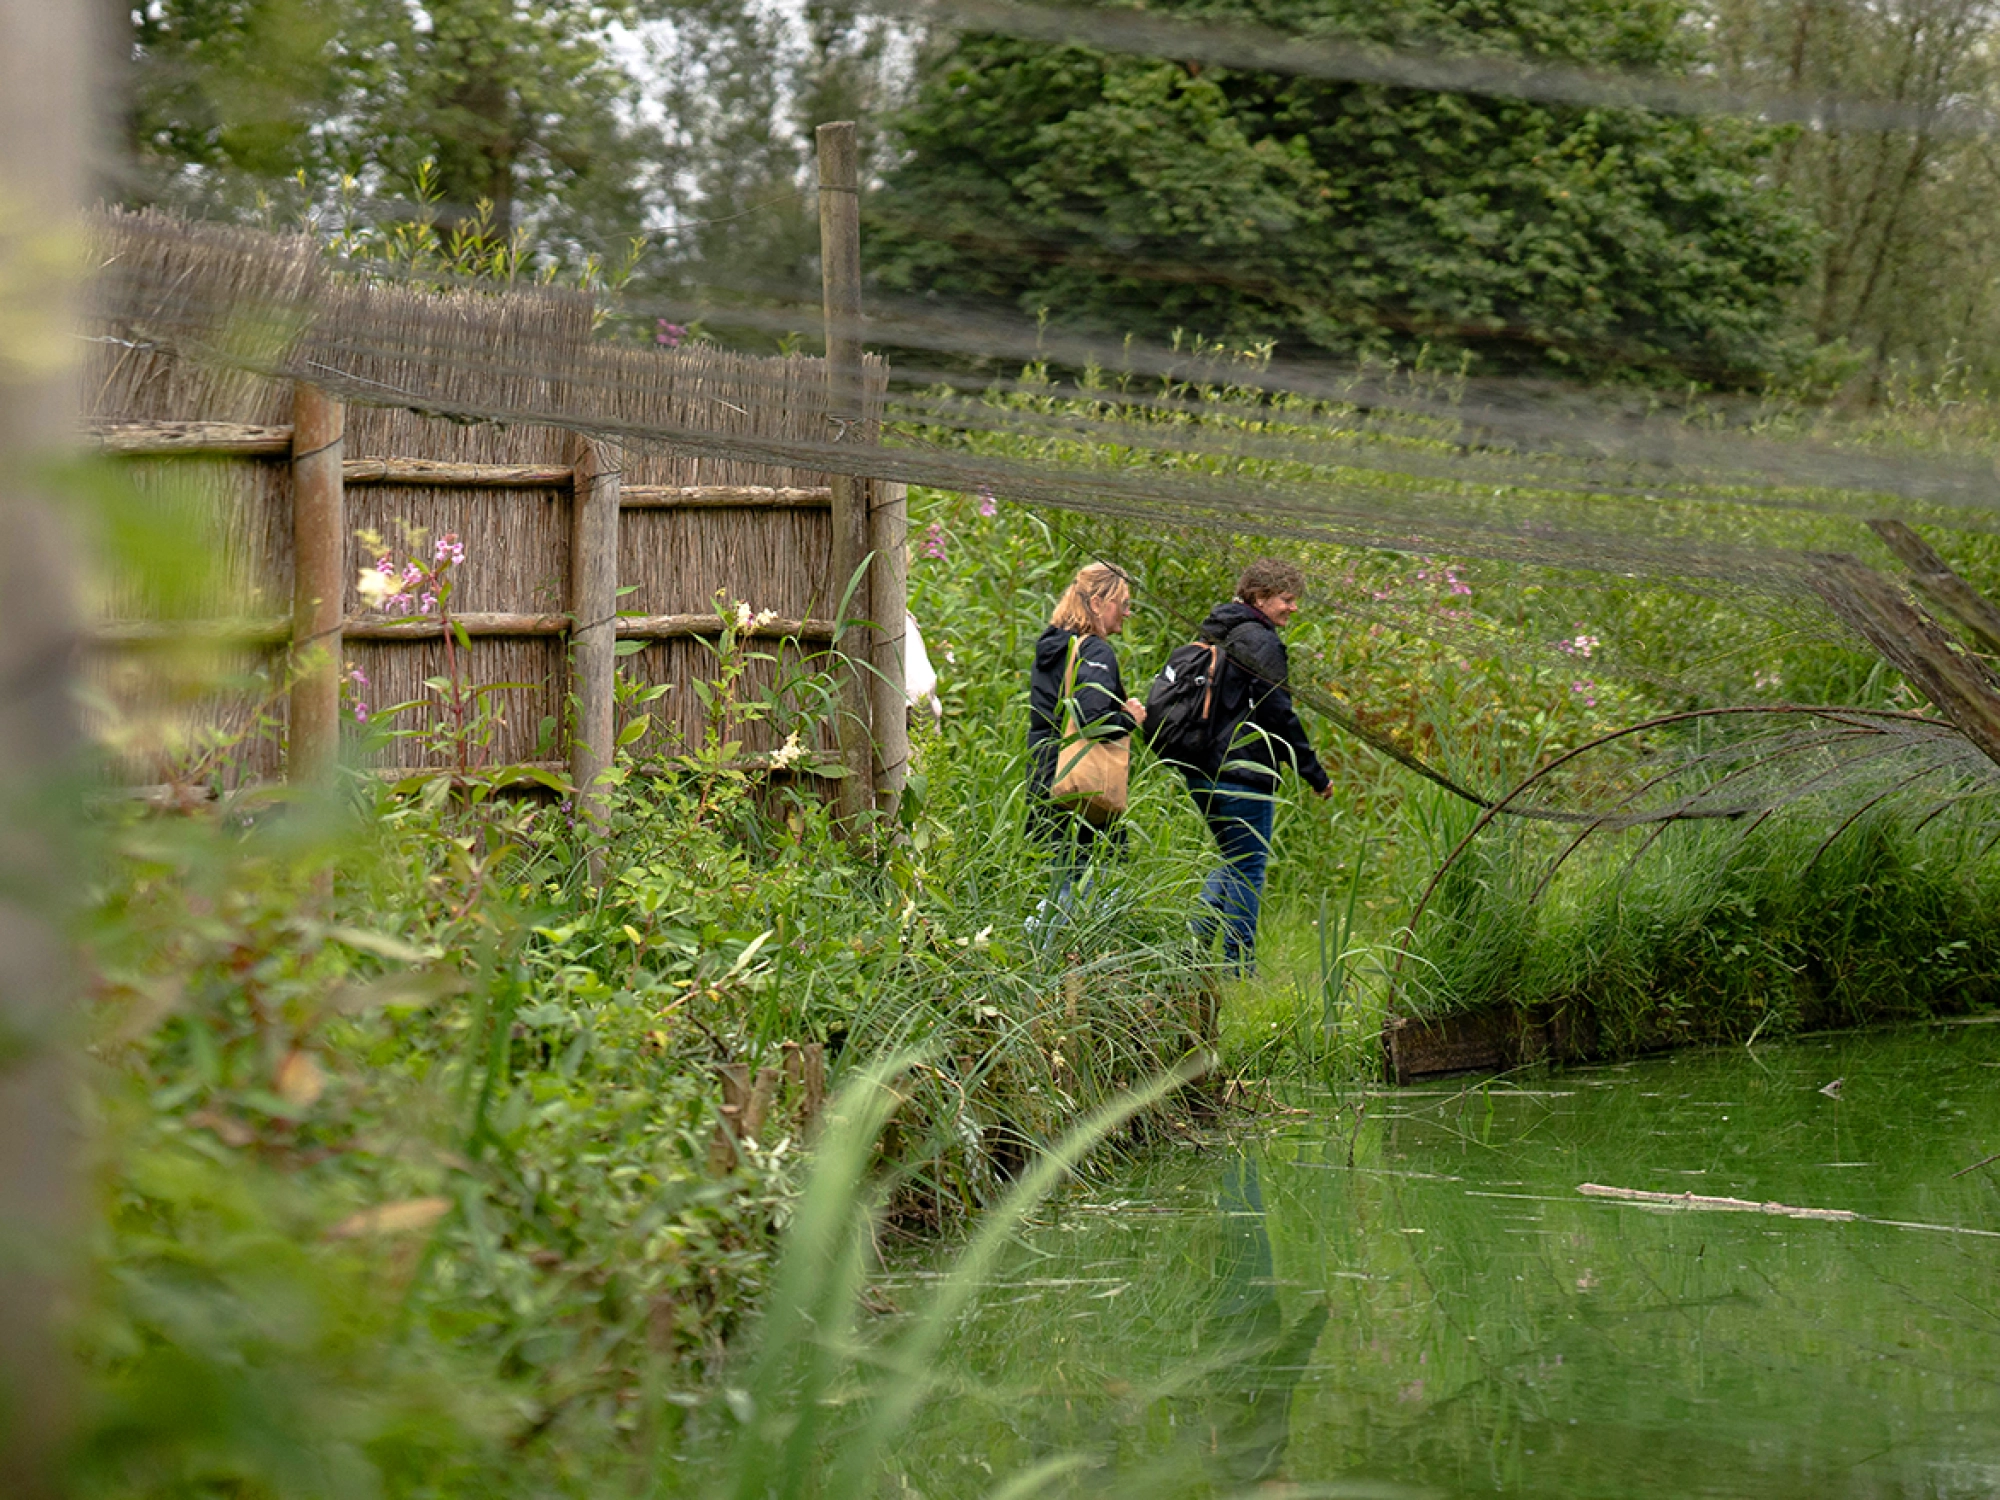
<point x="1243" y="1420"/>
<point x="1441" y="1311"/>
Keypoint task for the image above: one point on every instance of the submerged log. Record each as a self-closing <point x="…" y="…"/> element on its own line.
<point x="1702" y="1204"/>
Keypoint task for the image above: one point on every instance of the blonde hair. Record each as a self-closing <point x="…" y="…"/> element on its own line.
<point x="1094" y="585"/>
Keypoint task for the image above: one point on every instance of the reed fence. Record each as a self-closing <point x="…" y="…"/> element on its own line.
<point x="607" y="497"/>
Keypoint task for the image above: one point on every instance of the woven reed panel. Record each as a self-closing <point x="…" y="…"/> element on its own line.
<point x="199" y="322"/>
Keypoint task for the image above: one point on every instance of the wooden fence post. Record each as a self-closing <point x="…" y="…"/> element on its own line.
<point x="319" y="583"/>
<point x="840" y="273"/>
<point x="45" y="99"/>
<point x="593" y="636"/>
<point x="889" y="580"/>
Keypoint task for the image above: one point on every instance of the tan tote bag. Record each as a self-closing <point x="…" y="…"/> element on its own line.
<point x="1090" y="774"/>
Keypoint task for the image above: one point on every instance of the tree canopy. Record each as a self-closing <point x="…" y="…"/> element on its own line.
<point x="517" y="104"/>
<point x="1144" y="195"/>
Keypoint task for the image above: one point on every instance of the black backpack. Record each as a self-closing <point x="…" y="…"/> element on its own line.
<point x="1182" y="708"/>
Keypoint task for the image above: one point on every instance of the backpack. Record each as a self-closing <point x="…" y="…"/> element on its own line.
<point x="1181" y="727"/>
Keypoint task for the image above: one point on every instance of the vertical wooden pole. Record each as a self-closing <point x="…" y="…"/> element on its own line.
<point x="45" y="58"/>
<point x="840" y="274"/>
<point x="593" y="635"/>
<point x="319" y="582"/>
<point x="889" y="590"/>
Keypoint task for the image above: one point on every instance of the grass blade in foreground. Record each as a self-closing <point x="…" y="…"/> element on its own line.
<point x="805" y="1344"/>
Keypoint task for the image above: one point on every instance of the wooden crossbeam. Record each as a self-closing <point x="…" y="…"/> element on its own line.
<point x="240" y="440"/>
<point x="252" y="630"/>
<point x="670" y="627"/>
<point x="724" y="497"/>
<point x="276" y="630"/>
<point x="440" y="475"/>
<point x="166" y="439"/>
<point x="476" y="625"/>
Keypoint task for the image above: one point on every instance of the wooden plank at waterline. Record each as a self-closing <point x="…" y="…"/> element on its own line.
<point x="1482" y="1041"/>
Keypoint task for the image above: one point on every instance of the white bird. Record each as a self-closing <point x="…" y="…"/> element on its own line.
<point x="919" y="677"/>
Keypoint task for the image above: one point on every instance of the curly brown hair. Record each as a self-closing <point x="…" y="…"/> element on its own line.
<point x="1267" y="576"/>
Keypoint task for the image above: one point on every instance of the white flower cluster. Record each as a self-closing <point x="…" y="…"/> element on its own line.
<point x="375" y="587"/>
<point x="788" y="752"/>
<point x="746" y="620"/>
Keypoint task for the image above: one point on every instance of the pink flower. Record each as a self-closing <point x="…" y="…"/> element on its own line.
<point x="450" y="549"/>
<point x="669" y="335"/>
<point x="933" y="544"/>
<point x="987" y="503"/>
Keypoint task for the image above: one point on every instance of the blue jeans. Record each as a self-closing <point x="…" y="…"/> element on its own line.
<point x="1073" y="844"/>
<point x="1240" y="817"/>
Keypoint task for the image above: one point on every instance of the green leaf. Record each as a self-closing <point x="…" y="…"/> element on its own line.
<point x="380" y="944"/>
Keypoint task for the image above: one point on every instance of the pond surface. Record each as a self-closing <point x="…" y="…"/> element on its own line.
<point x="1449" y="1315"/>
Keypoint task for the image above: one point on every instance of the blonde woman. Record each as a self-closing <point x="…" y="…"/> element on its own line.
<point x="1092" y="610"/>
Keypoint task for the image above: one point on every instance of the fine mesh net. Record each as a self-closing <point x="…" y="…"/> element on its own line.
<point x="1727" y="503"/>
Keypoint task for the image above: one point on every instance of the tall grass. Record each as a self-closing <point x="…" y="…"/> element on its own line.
<point x="1715" y="936"/>
<point x="408" y="1131"/>
<point x="1488" y="670"/>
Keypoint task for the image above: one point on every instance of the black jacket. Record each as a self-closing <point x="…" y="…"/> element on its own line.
<point x="1255" y="702"/>
<point x="1100" y="698"/>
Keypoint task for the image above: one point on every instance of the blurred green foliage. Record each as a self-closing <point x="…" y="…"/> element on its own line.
<point x="1137" y="195"/>
<point x="520" y="108"/>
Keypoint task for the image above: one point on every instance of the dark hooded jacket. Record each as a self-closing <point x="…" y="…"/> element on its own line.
<point x="1254" y="706"/>
<point x="1100" y="699"/>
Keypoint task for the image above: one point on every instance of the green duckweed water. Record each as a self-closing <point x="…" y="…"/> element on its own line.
<point x="1450" y="1316"/>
